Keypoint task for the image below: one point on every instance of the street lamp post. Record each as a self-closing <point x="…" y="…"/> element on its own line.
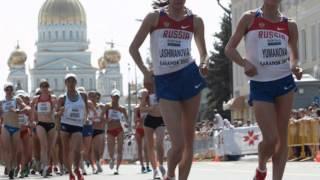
<point x="129" y="98"/>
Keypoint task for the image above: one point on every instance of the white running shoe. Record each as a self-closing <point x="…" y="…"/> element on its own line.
<point x="155" y="174"/>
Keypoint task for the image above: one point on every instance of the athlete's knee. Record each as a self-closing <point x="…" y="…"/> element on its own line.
<point x="177" y="149"/>
<point x="270" y="143"/>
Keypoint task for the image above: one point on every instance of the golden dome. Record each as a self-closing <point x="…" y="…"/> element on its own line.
<point x="62" y="12"/>
<point x="112" y="56"/>
<point x="102" y="63"/>
<point x="17" y="57"/>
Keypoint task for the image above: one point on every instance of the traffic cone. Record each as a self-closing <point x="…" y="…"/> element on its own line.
<point x="317" y="159"/>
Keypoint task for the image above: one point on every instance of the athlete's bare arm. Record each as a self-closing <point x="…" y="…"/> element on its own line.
<point x="60" y="106"/>
<point x="148" y="23"/>
<point x="231" y="48"/>
<point x="293" y="45"/>
<point x="124" y="111"/>
<point x="107" y="107"/>
<point x="103" y="113"/>
<point x="199" y="39"/>
<point x="33" y="107"/>
<point x="23" y="107"/>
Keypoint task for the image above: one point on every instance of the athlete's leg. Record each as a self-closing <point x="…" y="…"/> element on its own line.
<point x="190" y="109"/>
<point x="149" y="133"/>
<point x="16" y="141"/>
<point x="266" y="117"/>
<point x="139" y="148"/>
<point x="120" y="140"/>
<point x="159" y="144"/>
<point x="75" y="144"/>
<point x="87" y="142"/>
<point x="67" y="153"/>
<point x="283" y="108"/>
<point x="171" y="112"/>
<point x="111" y="146"/>
<point x="43" y="138"/>
<point x="7" y="147"/>
<point x="145" y="151"/>
<point x="52" y="140"/>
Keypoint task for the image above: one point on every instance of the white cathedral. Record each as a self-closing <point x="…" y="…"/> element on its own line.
<point x="62" y="47"/>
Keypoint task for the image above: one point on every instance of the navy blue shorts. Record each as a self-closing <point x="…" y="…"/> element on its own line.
<point x="180" y="85"/>
<point x="70" y="128"/>
<point x="269" y="91"/>
<point x="87" y="130"/>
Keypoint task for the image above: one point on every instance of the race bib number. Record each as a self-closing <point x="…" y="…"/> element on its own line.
<point x="273" y="51"/>
<point x="44" y="107"/>
<point x="23" y="119"/>
<point x="7" y="106"/>
<point x="75" y="114"/>
<point x="115" y="115"/>
<point x="153" y="100"/>
<point x="97" y="118"/>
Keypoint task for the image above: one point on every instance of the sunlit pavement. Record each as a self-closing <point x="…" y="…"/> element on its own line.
<point x="209" y="170"/>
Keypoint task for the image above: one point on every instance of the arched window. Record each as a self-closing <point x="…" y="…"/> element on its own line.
<point x="71" y="35"/>
<point x="63" y="35"/>
<point x="77" y="35"/>
<point x="57" y="35"/>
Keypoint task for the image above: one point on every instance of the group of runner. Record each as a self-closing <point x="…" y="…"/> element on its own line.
<point x="46" y="134"/>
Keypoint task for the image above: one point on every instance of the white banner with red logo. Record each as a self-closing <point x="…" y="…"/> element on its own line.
<point x="239" y="141"/>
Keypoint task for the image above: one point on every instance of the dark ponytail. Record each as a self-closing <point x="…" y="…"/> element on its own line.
<point x="157" y="4"/>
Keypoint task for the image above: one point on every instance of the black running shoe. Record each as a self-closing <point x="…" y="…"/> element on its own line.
<point x="11" y="174"/>
<point x="143" y="170"/>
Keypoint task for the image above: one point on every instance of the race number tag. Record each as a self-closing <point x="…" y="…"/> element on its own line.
<point x="114" y="115"/>
<point x="153" y="100"/>
<point x="23" y="119"/>
<point x="7" y="106"/>
<point x="97" y="118"/>
<point x="272" y="49"/>
<point x="44" y="107"/>
<point x="75" y="114"/>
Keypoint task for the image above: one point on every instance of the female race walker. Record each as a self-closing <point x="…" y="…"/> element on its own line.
<point x="43" y="107"/>
<point x="176" y="76"/>
<point x="115" y="134"/>
<point x="11" y="106"/>
<point x="73" y="108"/>
<point x="268" y="37"/>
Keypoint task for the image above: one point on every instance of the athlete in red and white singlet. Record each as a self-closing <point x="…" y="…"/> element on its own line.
<point x="269" y="65"/>
<point x="170" y="43"/>
<point x="267" y="48"/>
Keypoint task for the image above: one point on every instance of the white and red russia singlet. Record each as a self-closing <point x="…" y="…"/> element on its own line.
<point x="267" y="48"/>
<point x="171" y="44"/>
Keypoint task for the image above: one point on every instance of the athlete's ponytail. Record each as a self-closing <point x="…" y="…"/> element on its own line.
<point x="157" y="4"/>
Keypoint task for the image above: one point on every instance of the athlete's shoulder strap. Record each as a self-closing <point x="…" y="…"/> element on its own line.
<point x="189" y="12"/>
<point x="284" y="18"/>
<point x="258" y="12"/>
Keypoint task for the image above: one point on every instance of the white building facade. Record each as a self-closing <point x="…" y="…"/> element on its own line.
<point x="62" y="46"/>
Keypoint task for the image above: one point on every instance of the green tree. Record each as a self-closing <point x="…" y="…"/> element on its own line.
<point x="220" y="70"/>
